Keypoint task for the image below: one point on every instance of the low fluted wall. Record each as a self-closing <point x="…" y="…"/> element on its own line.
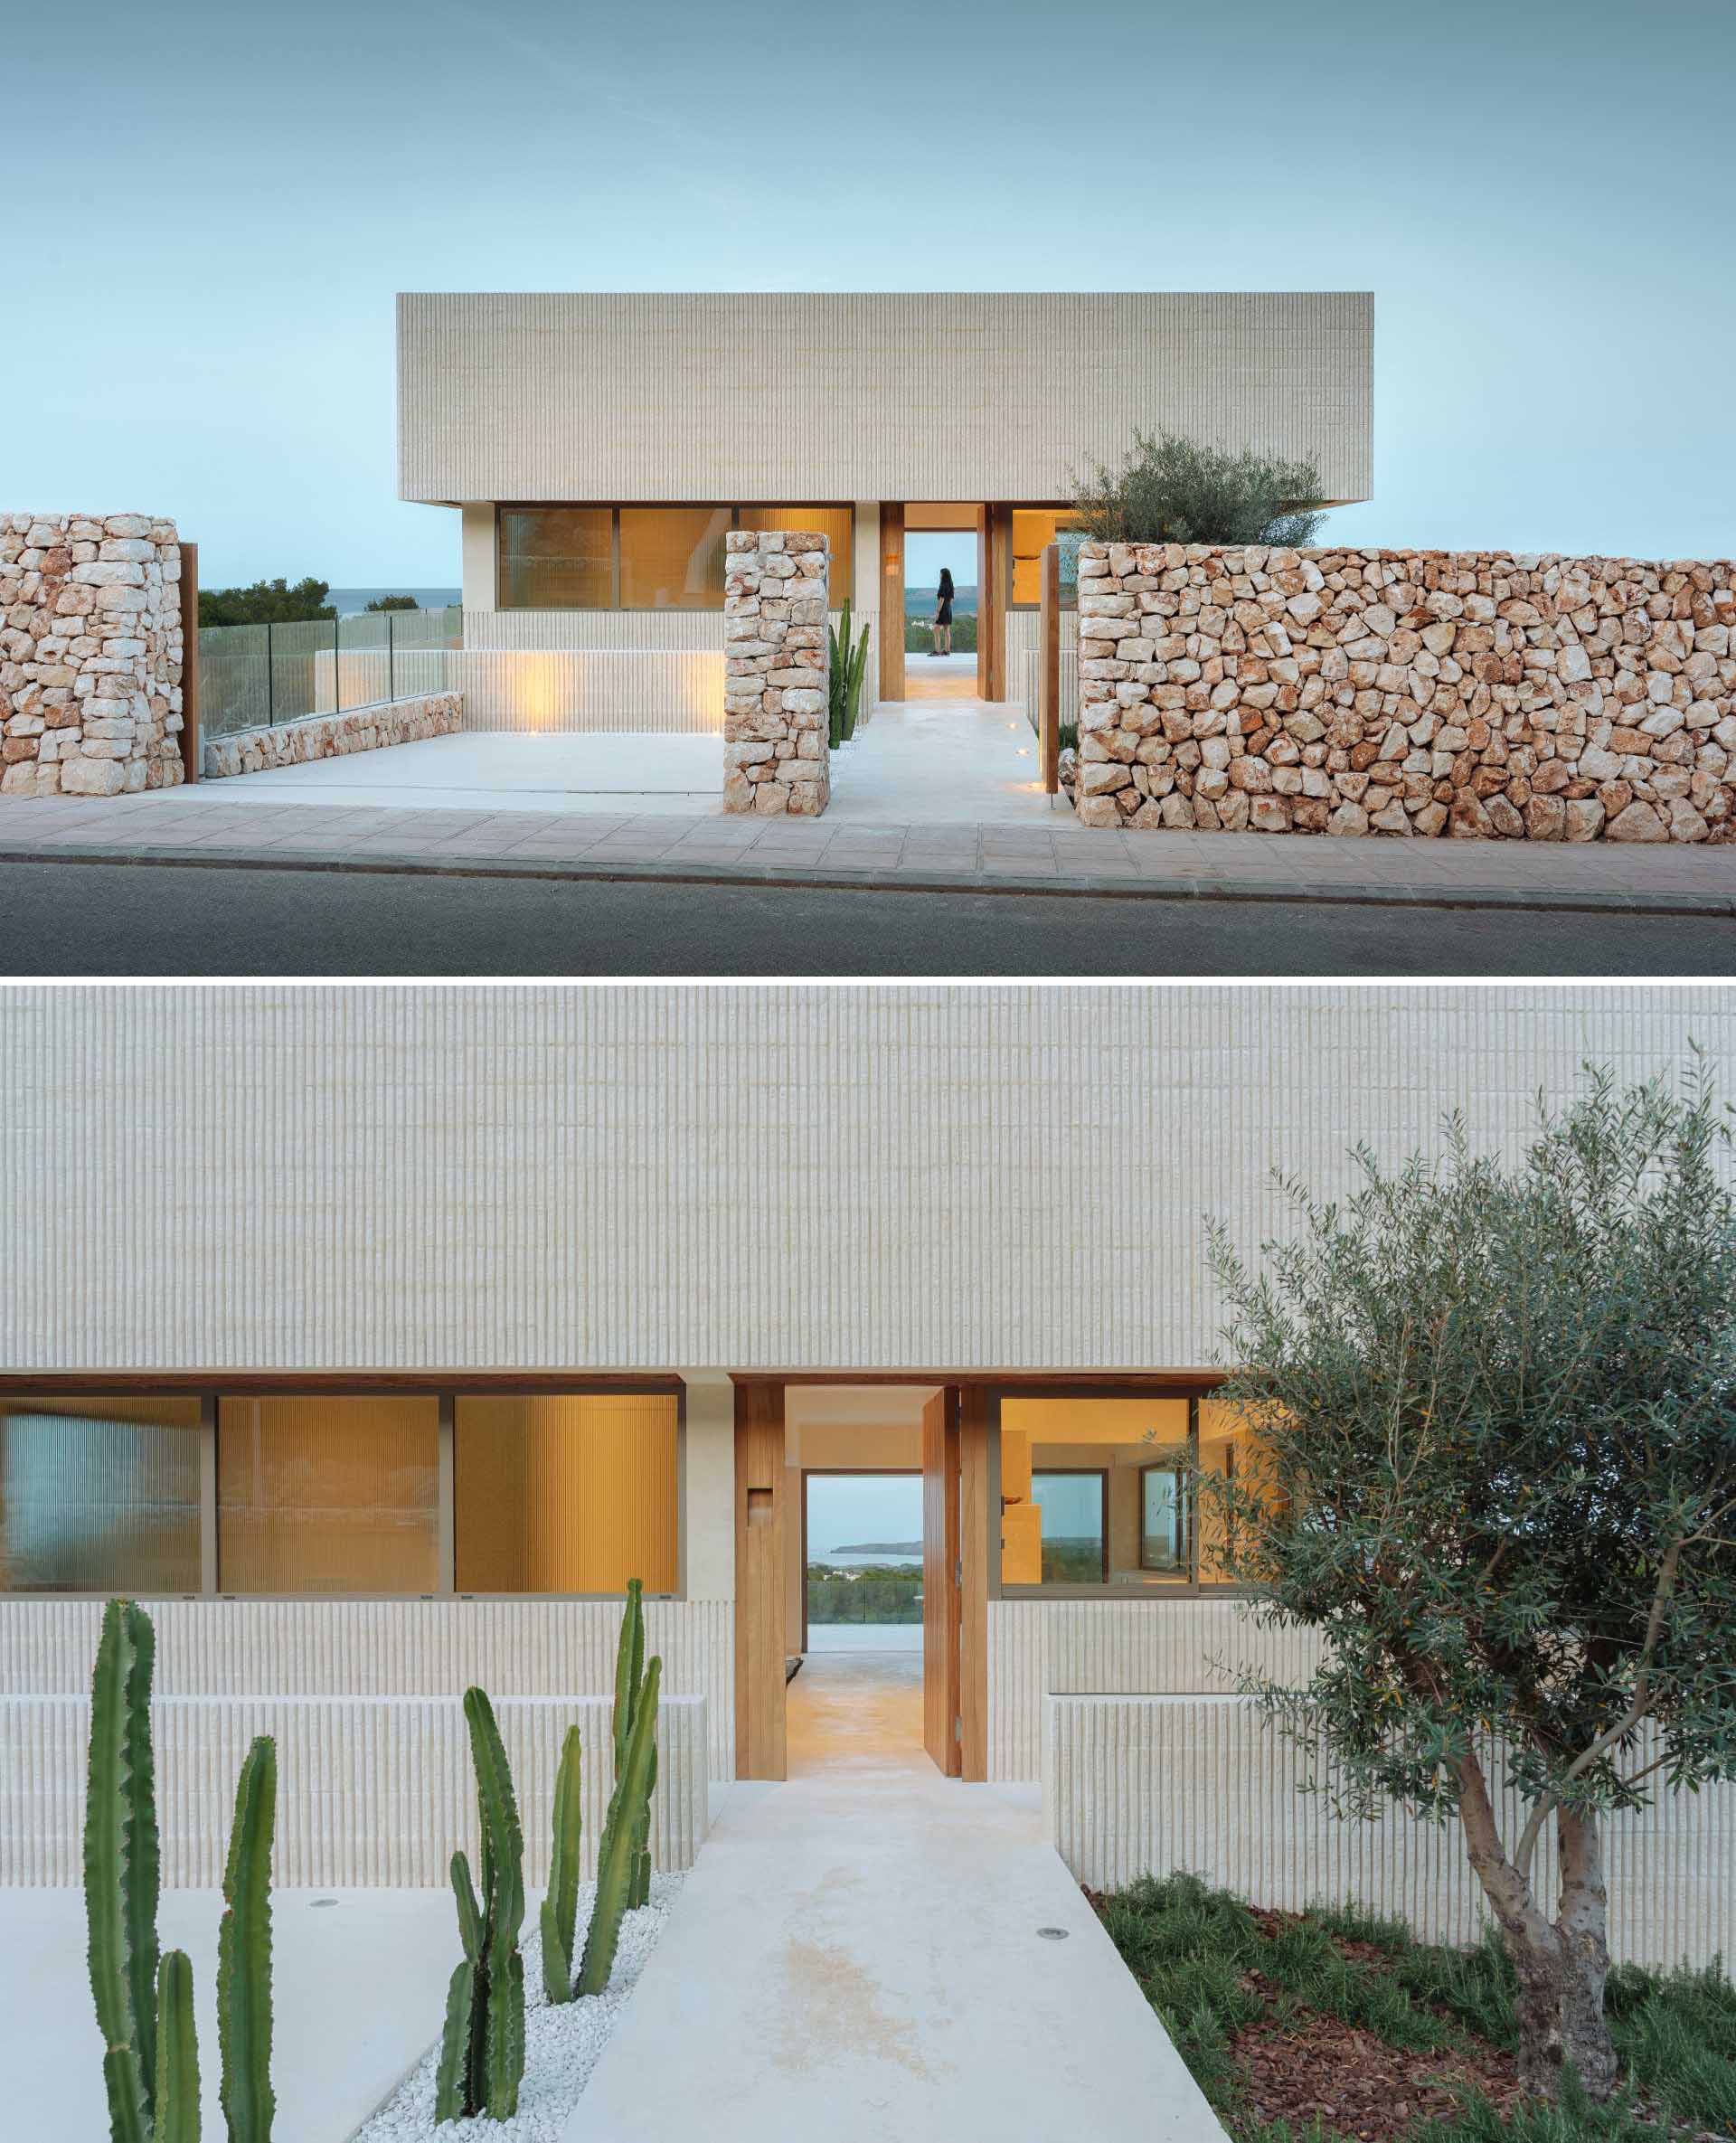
<point x="1471" y="693"/>
<point x="1141" y="1784"/>
<point x="371" y="1790"/>
<point x="334" y="736"/>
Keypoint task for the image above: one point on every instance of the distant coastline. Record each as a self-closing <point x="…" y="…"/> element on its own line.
<point x="348" y="602"/>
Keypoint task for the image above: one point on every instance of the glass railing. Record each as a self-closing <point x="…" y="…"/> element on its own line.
<point x="255" y="676"/>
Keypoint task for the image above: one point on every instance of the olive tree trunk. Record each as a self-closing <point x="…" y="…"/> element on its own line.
<point x="1562" y="1964"/>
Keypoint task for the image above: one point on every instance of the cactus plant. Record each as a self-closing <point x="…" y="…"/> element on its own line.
<point x="616" y="1860"/>
<point x="121" y="1867"/>
<point x="144" y="2001"/>
<point x="629" y="1665"/>
<point x="560" y="1906"/>
<point x="244" y="1952"/>
<point x="481" y="2049"/>
<point x="849" y="663"/>
<point x="177" y="2053"/>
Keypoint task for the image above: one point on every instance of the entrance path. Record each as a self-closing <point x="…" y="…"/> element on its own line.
<point x="855" y="1956"/>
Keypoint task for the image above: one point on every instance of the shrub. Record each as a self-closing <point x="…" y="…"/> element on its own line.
<point x="1171" y="490"/>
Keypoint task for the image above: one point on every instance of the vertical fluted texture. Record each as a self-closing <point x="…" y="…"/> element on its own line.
<point x="370" y="1791"/>
<point x="912" y="1177"/>
<point x="850" y="395"/>
<point x="383" y="1647"/>
<point x="1141" y="1784"/>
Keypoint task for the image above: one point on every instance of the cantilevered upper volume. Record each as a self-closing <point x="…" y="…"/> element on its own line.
<point x="867" y="395"/>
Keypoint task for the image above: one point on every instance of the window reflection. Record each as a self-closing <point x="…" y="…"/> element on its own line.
<point x="99" y="1495"/>
<point x="320" y="1494"/>
<point x="565" y="1493"/>
<point x="1103" y="1492"/>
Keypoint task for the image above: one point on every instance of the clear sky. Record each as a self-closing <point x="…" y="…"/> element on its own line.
<point x="210" y="207"/>
<point x="844" y="1510"/>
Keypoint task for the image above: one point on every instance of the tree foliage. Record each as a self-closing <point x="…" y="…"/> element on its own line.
<point x="1496" y="1411"/>
<point x="393" y="602"/>
<point x="1173" y="490"/>
<point x="265" y="602"/>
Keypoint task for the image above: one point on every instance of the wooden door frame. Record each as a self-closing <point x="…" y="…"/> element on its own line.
<point x="892" y="600"/>
<point x="942" y="1615"/>
<point x="995" y="573"/>
<point x="761" y="1641"/>
<point x="760" y="1649"/>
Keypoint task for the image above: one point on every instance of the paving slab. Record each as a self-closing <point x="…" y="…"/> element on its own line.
<point x="358" y="1989"/>
<point x="857" y="1955"/>
<point x="1047" y="853"/>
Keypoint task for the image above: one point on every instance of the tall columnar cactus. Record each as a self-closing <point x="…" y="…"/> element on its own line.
<point x="244" y="1952"/>
<point x="121" y="1867"/>
<point x="629" y="1664"/>
<point x="482" y="2050"/>
<point x="618" y="1859"/>
<point x="177" y="2053"/>
<point x="560" y="1906"/>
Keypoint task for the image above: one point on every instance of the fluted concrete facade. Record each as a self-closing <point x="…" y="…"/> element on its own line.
<point x="820" y="396"/>
<point x="910" y="1179"/>
<point x="369" y="1649"/>
<point x="371" y="1790"/>
<point x="1136" y="1784"/>
<point x="771" y="1177"/>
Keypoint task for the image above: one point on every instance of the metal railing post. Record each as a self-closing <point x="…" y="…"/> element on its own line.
<point x="271" y="680"/>
<point x="338" y="661"/>
<point x="391" y="658"/>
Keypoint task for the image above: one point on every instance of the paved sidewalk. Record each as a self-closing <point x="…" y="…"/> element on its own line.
<point x="1058" y="857"/>
<point x="861" y="1956"/>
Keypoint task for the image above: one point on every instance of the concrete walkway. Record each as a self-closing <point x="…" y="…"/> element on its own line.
<point x="358" y="1990"/>
<point x="857" y="1955"/>
<point x="1045" y="851"/>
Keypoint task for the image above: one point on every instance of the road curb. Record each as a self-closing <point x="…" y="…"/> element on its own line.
<point x="1079" y="885"/>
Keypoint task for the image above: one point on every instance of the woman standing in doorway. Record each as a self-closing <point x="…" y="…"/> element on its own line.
<point x="943" y="613"/>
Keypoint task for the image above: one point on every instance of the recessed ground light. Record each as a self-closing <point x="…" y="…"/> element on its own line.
<point x="323" y="1901"/>
<point x="1052" y="1935"/>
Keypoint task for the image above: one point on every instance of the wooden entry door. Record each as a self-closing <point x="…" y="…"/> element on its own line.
<point x="891" y="602"/>
<point x="941" y="1589"/>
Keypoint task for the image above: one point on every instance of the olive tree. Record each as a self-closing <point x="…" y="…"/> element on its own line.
<point x="1173" y="490"/>
<point x="1495" y="1412"/>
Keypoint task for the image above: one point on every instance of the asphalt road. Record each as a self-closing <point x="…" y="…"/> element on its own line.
<point x="172" y="920"/>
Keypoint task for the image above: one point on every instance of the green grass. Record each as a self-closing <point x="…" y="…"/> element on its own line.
<point x="1191" y="1949"/>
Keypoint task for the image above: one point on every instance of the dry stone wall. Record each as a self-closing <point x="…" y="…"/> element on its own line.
<point x="90" y="654"/>
<point x="777" y="674"/>
<point x="334" y="736"/>
<point x="1476" y="695"/>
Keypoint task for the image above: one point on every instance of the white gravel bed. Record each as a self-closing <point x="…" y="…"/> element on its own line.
<point x="563" y="2044"/>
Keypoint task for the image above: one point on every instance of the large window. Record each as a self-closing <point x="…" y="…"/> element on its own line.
<point x="99" y="1495"/>
<point x="320" y="1494"/>
<point x="557" y="558"/>
<point x="565" y="1494"/>
<point x="644" y="557"/>
<point x="1099" y="1492"/>
<point x="305" y="1493"/>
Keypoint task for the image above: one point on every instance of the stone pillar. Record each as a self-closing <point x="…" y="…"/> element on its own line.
<point x="777" y="674"/>
<point x="91" y="654"/>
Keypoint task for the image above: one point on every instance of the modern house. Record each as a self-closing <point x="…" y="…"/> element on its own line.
<point x="379" y="1336"/>
<point x="600" y="445"/>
